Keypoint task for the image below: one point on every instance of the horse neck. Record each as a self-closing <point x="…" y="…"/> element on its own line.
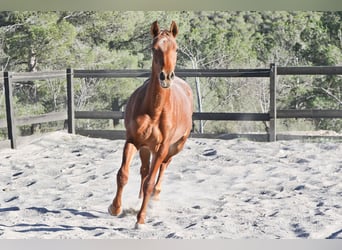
<point x="156" y="96"/>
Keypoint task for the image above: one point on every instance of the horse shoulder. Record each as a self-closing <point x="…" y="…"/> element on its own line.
<point x="177" y="116"/>
<point x="182" y="97"/>
<point x="136" y="119"/>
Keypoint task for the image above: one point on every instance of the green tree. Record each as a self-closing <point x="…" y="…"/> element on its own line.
<point x="36" y="41"/>
<point x="40" y="41"/>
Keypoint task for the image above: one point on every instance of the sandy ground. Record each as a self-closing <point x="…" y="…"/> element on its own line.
<point x="60" y="185"/>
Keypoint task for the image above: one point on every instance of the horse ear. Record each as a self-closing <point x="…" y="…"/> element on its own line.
<point x="174" y="28"/>
<point x="155" y="29"/>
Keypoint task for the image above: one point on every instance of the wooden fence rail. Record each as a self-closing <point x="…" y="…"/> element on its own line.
<point x="312" y="70"/>
<point x="71" y="115"/>
<point x="214" y="116"/>
<point x="178" y="72"/>
<point x="12" y="121"/>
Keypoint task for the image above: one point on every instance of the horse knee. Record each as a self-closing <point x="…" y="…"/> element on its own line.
<point x="148" y="188"/>
<point x="122" y="178"/>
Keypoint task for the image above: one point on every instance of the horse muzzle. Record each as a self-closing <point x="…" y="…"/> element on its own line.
<point x="166" y="79"/>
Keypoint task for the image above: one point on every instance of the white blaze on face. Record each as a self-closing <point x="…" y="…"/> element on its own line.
<point x="161" y="43"/>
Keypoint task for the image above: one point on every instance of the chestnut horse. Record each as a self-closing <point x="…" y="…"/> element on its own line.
<point x="158" y="121"/>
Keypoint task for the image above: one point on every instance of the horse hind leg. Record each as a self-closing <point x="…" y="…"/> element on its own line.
<point x="122" y="178"/>
<point x="157" y="187"/>
<point x="144" y="169"/>
<point x="174" y="149"/>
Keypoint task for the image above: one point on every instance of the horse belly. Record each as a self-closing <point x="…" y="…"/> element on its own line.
<point x="182" y="120"/>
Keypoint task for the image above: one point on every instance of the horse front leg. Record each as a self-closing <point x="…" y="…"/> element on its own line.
<point x="122" y="177"/>
<point x="149" y="183"/>
<point x="145" y="168"/>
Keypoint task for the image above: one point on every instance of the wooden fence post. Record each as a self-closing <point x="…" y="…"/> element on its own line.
<point x="11" y="127"/>
<point x="273" y="104"/>
<point x="70" y="101"/>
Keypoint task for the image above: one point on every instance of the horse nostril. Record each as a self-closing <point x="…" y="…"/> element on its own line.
<point x="162" y="76"/>
<point x="170" y="76"/>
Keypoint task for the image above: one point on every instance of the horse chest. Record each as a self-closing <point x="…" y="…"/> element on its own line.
<point x="147" y="131"/>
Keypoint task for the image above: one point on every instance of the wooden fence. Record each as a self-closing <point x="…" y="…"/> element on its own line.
<point x="70" y="115"/>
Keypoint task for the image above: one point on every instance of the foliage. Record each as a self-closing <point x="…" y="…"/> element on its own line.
<point x="41" y="41"/>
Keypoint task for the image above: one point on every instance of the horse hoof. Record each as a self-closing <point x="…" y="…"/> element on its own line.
<point x="114" y="211"/>
<point x="139" y="226"/>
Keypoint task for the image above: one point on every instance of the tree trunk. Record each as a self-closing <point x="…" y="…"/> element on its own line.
<point x="199" y="102"/>
<point x="198" y="95"/>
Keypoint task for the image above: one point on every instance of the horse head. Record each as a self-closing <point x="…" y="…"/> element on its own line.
<point x="164" y="49"/>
